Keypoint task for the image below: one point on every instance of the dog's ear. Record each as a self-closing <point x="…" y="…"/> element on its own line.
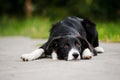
<point x="53" y="43"/>
<point x="88" y="23"/>
<point x="86" y="44"/>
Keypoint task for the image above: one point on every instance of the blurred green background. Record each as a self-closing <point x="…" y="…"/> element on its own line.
<point x="34" y="18"/>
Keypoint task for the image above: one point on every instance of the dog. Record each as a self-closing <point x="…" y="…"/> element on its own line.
<point x="73" y="38"/>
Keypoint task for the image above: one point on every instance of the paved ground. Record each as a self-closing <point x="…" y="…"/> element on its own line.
<point x="105" y="66"/>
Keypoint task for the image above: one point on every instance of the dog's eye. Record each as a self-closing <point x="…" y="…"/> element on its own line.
<point x="77" y="44"/>
<point x="66" y="46"/>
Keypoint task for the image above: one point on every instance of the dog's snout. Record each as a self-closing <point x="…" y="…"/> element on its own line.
<point x="75" y="55"/>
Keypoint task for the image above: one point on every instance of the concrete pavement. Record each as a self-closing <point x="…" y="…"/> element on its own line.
<point x="105" y="66"/>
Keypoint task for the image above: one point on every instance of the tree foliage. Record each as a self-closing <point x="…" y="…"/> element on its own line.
<point x="96" y="9"/>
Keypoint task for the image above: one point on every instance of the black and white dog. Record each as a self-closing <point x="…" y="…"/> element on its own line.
<point x="70" y="39"/>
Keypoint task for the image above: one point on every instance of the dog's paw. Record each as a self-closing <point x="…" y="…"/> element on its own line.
<point x="87" y="54"/>
<point x="99" y="49"/>
<point x="54" y="55"/>
<point x="32" y="56"/>
<point x="27" y="57"/>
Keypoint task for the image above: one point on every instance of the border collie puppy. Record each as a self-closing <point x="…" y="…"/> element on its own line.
<point x="70" y="39"/>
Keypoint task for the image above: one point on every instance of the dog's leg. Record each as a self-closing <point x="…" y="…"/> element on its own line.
<point x="87" y="54"/>
<point x="96" y="46"/>
<point x="32" y="56"/>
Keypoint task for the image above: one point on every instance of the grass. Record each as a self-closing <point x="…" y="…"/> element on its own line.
<point x="38" y="27"/>
<point x="33" y="27"/>
<point x="109" y="31"/>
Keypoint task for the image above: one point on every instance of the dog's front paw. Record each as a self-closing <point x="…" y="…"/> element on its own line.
<point x="27" y="57"/>
<point x="87" y="54"/>
<point x="32" y="56"/>
<point x="54" y="55"/>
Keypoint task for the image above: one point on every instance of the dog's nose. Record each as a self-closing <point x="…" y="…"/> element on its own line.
<point x="75" y="55"/>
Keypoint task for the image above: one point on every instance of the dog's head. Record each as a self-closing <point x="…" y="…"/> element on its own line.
<point x="68" y="47"/>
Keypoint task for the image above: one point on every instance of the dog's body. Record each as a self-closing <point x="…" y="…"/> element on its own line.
<point x="70" y="39"/>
